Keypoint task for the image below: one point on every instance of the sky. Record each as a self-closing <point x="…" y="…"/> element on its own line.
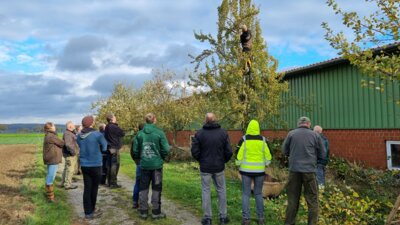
<point x="57" y="57"/>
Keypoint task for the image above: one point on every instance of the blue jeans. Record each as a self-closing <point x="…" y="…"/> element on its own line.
<point x="321" y="174"/>
<point x="246" y="192"/>
<point x="51" y="174"/>
<point x="136" y="187"/>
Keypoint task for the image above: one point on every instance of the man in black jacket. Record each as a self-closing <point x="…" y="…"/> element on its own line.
<point x="113" y="134"/>
<point x="212" y="148"/>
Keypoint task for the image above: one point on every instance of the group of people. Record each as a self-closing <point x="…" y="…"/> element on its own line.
<point x="98" y="160"/>
<point x="307" y="151"/>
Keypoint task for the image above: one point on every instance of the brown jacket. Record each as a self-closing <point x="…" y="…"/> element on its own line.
<point x="52" y="149"/>
<point x="71" y="147"/>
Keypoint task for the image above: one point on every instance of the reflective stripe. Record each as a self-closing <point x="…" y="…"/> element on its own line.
<point x="253" y="164"/>
<point x="251" y="170"/>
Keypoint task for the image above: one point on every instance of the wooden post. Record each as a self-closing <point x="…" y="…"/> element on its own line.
<point x="393" y="212"/>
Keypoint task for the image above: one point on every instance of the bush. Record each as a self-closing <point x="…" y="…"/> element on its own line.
<point x="348" y="207"/>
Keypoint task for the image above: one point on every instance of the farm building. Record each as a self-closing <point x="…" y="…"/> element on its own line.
<point x="361" y="123"/>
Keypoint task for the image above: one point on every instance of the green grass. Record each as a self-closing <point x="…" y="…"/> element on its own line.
<point x="9" y="139"/>
<point x="181" y="183"/>
<point x="33" y="186"/>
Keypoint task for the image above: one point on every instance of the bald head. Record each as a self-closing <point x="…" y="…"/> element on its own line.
<point x="318" y="129"/>
<point x="210" y="118"/>
<point x="70" y="126"/>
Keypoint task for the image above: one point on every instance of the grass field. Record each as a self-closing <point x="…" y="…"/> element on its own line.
<point x="33" y="186"/>
<point x="10" y="139"/>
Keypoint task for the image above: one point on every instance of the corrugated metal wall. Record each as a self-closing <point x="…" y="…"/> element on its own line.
<point x="335" y="100"/>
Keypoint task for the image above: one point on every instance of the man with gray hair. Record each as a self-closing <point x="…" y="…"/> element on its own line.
<point x="321" y="163"/>
<point x="212" y="148"/>
<point x="113" y="134"/>
<point x="303" y="147"/>
<point x="70" y="153"/>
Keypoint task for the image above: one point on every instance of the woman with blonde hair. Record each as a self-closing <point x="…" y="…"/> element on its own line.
<point x="52" y="155"/>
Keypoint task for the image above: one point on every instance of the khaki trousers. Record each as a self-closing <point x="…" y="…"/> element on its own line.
<point x="69" y="169"/>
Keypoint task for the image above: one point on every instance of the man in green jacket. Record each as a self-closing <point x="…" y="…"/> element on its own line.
<point x="151" y="148"/>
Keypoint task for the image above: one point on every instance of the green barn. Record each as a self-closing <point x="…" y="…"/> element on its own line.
<point x="362" y="123"/>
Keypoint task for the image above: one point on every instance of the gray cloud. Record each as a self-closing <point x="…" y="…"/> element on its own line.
<point x="105" y="83"/>
<point x="27" y="95"/>
<point x="77" y="56"/>
<point x="175" y="56"/>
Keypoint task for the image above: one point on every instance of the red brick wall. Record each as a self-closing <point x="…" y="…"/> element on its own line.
<point x="366" y="146"/>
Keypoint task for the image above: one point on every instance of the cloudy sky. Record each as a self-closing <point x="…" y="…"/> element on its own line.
<point x="56" y="57"/>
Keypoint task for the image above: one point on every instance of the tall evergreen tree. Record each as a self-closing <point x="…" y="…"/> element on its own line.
<point x="239" y="95"/>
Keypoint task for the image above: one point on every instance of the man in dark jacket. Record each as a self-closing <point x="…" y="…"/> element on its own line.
<point x="245" y="39"/>
<point x="151" y="147"/>
<point x="70" y="153"/>
<point x="321" y="163"/>
<point x="113" y="134"/>
<point x="212" y="148"/>
<point x="303" y="147"/>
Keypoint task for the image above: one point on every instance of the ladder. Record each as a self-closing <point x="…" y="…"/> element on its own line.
<point x="392" y="214"/>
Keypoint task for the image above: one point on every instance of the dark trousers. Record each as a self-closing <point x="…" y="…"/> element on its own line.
<point x="104" y="169"/>
<point x="113" y="168"/>
<point x="91" y="180"/>
<point x="296" y="182"/>
<point x="136" y="188"/>
<point x="153" y="177"/>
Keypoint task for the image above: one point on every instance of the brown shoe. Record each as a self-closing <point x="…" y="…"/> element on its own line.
<point x="50" y="193"/>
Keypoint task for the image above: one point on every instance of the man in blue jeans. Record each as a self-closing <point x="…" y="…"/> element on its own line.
<point x="136" y="187"/>
<point x="321" y="163"/>
<point x="212" y="148"/>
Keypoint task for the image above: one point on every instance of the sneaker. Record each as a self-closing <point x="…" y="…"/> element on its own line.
<point x="71" y="187"/>
<point x="225" y="220"/>
<point x="158" y="216"/>
<point x="114" y="186"/>
<point x="135" y="205"/>
<point x="245" y="221"/>
<point x="261" y="221"/>
<point x="143" y="215"/>
<point x="206" y="221"/>
<point x="92" y="216"/>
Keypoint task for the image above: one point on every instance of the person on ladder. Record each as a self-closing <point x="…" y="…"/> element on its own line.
<point x="245" y="40"/>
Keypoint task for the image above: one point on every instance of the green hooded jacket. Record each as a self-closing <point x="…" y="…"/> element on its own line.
<point x="254" y="153"/>
<point x="151" y="147"/>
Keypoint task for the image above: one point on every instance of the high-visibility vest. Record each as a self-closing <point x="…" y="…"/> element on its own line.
<point x="252" y="167"/>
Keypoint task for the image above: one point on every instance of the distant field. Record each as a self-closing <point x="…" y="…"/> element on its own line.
<point x="8" y="139"/>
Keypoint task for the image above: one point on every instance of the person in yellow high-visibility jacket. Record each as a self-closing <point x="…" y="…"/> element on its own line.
<point x="252" y="158"/>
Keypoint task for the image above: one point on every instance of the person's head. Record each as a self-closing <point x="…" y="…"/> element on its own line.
<point x="111" y="118"/>
<point x="318" y="129"/>
<point x="102" y="127"/>
<point x="70" y="126"/>
<point x="49" y="127"/>
<point x="210" y="118"/>
<point x="244" y="28"/>
<point x="78" y="128"/>
<point x="150" y="118"/>
<point x="304" y="122"/>
<point x="88" y="121"/>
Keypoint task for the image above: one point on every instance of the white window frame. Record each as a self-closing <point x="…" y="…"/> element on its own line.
<point x="389" y="154"/>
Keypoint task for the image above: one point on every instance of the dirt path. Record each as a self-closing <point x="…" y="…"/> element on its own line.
<point x="16" y="161"/>
<point x="116" y="205"/>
